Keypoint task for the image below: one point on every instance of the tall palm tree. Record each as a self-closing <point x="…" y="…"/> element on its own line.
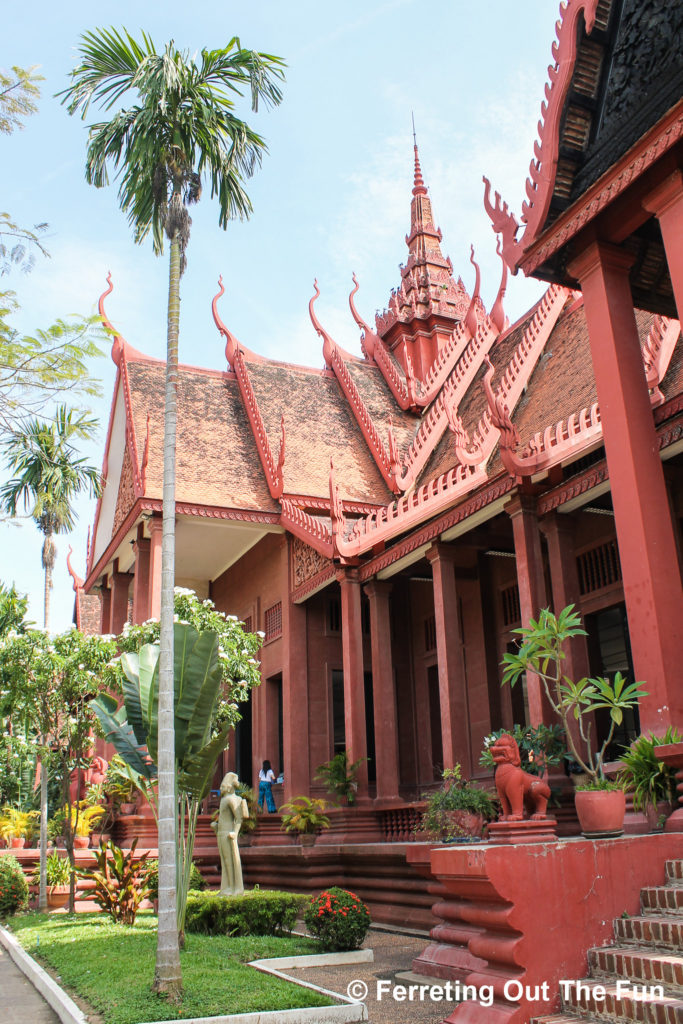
<point x="47" y="476"/>
<point x="180" y="130"/>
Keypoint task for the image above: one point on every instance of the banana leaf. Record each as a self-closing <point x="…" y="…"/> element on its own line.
<point x="194" y="775"/>
<point x="117" y="730"/>
<point x="198" y="678"/>
<point x="138" y="688"/>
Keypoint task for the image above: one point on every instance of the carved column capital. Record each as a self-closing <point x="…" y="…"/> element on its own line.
<point x="666" y="194"/>
<point x="378" y="588"/>
<point x="520" y="503"/>
<point x="600" y="255"/>
<point x="441" y="553"/>
<point x="347" y="575"/>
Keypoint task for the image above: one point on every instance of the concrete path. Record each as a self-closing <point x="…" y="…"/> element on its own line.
<point x="19" y="1001"/>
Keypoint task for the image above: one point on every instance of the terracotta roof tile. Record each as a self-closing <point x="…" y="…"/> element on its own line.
<point x="217" y="459"/>
<point x="318" y="424"/>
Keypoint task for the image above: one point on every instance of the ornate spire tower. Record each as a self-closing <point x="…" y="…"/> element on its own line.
<point x="428" y="303"/>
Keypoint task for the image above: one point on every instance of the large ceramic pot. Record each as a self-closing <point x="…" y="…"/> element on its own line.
<point x="600" y="812"/>
<point x="307" y="838"/>
<point x="467" y="823"/>
<point x="17" y="842"/>
<point x="81" y="842"/>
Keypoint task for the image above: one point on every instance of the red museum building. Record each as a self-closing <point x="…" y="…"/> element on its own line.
<point x="387" y="520"/>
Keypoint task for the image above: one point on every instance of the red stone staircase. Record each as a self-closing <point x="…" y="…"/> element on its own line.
<point x="648" y="952"/>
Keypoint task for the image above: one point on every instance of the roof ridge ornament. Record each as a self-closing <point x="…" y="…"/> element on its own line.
<point x="471" y="322"/>
<point x="231" y="344"/>
<point x="280" y="468"/>
<point x="368" y="337"/>
<point x="116" y="347"/>
<point x="77" y="581"/>
<point x="497" y="315"/>
<point x="328" y="344"/>
<point x="543" y="167"/>
<point x="145" y="459"/>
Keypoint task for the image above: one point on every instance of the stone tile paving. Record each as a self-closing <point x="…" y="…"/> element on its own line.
<point x="19" y="1001"/>
<point x="394" y="952"/>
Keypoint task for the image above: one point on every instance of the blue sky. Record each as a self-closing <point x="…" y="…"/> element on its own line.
<point x="332" y="197"/>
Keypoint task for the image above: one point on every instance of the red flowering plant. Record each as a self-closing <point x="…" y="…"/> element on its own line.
<point x="338" y="919"/>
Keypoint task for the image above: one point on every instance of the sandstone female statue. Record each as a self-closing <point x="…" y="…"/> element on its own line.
<point x="233" y="809"/>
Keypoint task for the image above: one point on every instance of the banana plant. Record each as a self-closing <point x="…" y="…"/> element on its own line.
<point x="133" y="730"/>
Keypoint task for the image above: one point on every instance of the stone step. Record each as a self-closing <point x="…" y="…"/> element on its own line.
<point x="662" y="899"/>
<point x="674" y="872"/>
<point x="599" y="998"/>
<point x="649" y="967"/>
<point x="660" y="932"/>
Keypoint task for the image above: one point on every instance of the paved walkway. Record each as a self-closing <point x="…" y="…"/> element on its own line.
<point x="394" y="953"/>
<point x="19" y="1001"/>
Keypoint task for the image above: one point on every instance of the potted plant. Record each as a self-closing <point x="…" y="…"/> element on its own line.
<point x="248" y="823"/>
<point x="83" y="820"/>
<point x="339" y="776"/>
<point x="305" y="817"/>
<point x="119" y="785"/>
<point x="457" y="811"/>
<point x="17" y="826"/>
<point x="600" y="804"/>
<point x="652" y="782"/>
<point x="58" y="878"/>
<point x="96" y="797"/>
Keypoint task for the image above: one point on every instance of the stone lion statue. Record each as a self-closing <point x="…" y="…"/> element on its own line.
<point x="517" y="788"/>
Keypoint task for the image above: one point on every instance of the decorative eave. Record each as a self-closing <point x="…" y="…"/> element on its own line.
<point x="274" y="471"/>
<point x="515" y="379"/>
<point x="121" y="352"/>
<point x="543" y="167"/>
<point x="144" y="505"/>
<point x="335" y="362"/>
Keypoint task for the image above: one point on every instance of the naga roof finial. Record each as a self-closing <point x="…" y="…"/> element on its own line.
<point x="367" y="340"/>
<point x="328" y="345"/>
<point x="116" y="347"/>
<point x="231" y="346"/>
<point x="336" y="510"/>
<point x="499" y="412"/>
<point x="471" y="322"/>
<point x="498" y="312"/>
<point x="77" y="581"/>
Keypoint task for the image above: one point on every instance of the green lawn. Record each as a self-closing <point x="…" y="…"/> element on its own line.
<point x="112" y="966"/>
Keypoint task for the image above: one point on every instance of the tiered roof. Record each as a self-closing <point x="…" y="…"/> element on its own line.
<point x="446" y="399"/>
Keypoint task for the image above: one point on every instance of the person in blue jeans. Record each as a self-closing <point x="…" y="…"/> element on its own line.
<point x="265" y="788"/>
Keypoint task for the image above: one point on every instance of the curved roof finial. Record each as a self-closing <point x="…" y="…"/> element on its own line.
<point x="116" y="347"/>
<point x="231" y="346"/>
<point x="328" y="345"/>
<point x="419" y="187"/>
<point x="471" y="322"/>
<point x="77" y="581"/>
<point x="498" y="410"/>
<point x="497" y="312"/>
<point x="367" y="340"/>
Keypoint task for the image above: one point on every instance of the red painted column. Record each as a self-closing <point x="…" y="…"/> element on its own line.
<point x="455" y="733"/>
<point x="120" y="584"/>
<point x="295" y="723"/>
<point x="532" y="590"/>
<point x="652" y="584"/>
<point x="141" y="548"/>
<point x="154" y="599"/>
<point x="105" y="620"/>
<point x="564" y="578"/>
<point x="384" y="690"/>
<point x="354" y="682"/>
<point x="666" y="202"/>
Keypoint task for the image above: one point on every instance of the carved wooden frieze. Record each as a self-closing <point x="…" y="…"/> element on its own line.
<point x="126" y="495"/>
<point x="306" y="563"/>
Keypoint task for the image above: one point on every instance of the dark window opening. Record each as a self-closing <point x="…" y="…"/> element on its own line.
<point x="435" y="721"/>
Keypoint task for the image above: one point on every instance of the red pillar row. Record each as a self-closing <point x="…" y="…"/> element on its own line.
<point x="652" y="583"/>
<point x="354" y="681"/>
<point x="383" y="690"/>
<point x="455" y="731"/>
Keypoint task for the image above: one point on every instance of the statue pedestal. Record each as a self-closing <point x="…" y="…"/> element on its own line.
<point x="511" y="833"/>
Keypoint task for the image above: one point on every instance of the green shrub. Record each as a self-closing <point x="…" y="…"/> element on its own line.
<point x="13" y="886"/>
<point x="338" y="918"/>
<point x="260" y="912"/>
<point x="152" y="878"/>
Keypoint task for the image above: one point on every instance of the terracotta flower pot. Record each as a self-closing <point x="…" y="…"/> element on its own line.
<point x="57" y="896"/>
<point x="17" y="842"/>
<point x="600" y="812"/>
<point x="307" y="838"/>
<point x="467" y="823"/>
<point x="81" y="842"/>
<point x="125" y="809"/>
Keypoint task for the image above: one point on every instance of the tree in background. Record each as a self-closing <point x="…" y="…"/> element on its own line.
<point x="180" y="129"/>
<point x="13" y="607"/>
<point x="48" y="476"/>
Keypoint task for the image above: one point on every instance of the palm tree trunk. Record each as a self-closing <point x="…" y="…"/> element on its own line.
<point x="42" y="888"/>
<point x="168" y="977"/>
